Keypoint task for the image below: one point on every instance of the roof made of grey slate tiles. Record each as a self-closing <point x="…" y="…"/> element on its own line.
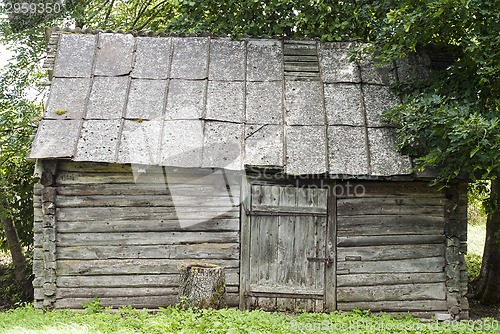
<point x="300" y="106"/>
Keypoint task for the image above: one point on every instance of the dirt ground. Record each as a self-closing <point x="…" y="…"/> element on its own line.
<point x="477" y="311"/>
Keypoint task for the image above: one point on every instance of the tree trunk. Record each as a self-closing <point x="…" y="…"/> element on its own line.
<point x="15" y="248"/>
<point x="487" y="289"/>
<point x="202" y="285"/>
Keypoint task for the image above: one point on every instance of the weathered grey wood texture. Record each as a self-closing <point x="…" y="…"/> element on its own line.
<point x="121" y="233"/>
<point x="399" y="249"/>
<point x="397" y="246"/>
<point x="288" y="225"/>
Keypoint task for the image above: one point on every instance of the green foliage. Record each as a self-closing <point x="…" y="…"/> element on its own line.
<point x="12" y="294"/>
<point x="174" y="320"/>
<point x="476" y="211"/>
<point x="17" y="119"/>
<point x="451" y="120"/>
<point x="327" y="20"/>
<point x="473" y="264"/>
<point x="93" y="306"/>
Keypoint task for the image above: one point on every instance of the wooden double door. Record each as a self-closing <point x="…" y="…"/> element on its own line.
<point x="288" y="260"/>
<point x="375" y="245"/>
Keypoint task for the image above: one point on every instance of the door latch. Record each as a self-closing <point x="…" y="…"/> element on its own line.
<point x="327" y="260"/>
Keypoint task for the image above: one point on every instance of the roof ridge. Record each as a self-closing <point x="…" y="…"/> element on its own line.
<point x="151" y="33"/>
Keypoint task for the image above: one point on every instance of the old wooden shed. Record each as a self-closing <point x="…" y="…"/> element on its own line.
<point x="267" y="157"/>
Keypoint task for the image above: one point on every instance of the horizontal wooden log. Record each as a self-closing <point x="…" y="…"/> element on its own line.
<point x="214" y="225"/>
<point x="284" y="289"/>
<point x="132" y="281"/>
<point x="422" y="265"/>
<point x="194" y="251"/>
<point x="130" y="266"/>
<point x="38" y="214"/>
<point x="390" y="206"/>
<point x="118" y="281"/>
<point x="91" y="292"/>
<point x="388" y="252"/>
<point x="93" y="167"/>
<point x="358" y="241"/>
<point x="149" y="225"/>
<point x="395" y="306"/>
<point x="232" y="299"/>
<point x="144" y="302"/>
<point x="37" y="200"/>
<point x="174" y="200"/>
<point x="144" y="189"/>
<point x="389" y="224"/>
<point x="146" y="213"/>
<point x="389" y="279"/>
<point x="203" y="178"/>
<point x="232" y="288"/>
<point x="377" y="293"/>
<point x="414" y="189"/>
<point x="144" y="238"/>
<point x="147" y="302"/>
<point x="102" y="167"/>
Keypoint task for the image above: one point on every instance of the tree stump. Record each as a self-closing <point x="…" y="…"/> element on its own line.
<point x="202" y="286"/>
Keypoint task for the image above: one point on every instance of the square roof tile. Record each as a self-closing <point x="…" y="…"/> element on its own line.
<point x="385" y="158"/>
<point x="227" y="60"/>
<point x="226" y="101"/>
<point x="343" y="104"/>
<point x="348" y="153"/>
<point x="222" y="145"/>
<point x="264" y="145"/>
<point x="264" y="60"/>
<point x="67" y="99"/>
<point x="98" y="140"/>
<point x="146" y="99"/>
<point x="190" y="58"/>
<point x="140" y="142"/>
<point x="75" y="56"/>
<point x="335" y="63"/>
<point x="304" y="103"/>
<point x="114" y="54"/>
<point x="377" y="100"/>
<point x="175" y="149"/>
<point x="56" y="139"/>
<point x="264" y="102"/>
<point x="148" y="67"/>
<point x="305" y="150"/>
<point x="107" y="98"/>
<point x="186" y="99"/>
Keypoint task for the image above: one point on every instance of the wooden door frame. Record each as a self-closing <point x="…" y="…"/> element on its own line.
<point x="330" y="278"/>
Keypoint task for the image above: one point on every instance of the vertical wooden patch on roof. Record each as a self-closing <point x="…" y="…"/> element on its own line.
<point x="301" y="60"/>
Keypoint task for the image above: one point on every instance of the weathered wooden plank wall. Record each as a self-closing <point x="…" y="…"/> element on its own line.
<point x="122" y="233"/>
<point x="391" y="247"/>
<point x="119" y="233"/>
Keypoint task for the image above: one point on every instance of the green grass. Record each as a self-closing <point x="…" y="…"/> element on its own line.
<point x="476" y="235"/>
<point x="174" y="320"/>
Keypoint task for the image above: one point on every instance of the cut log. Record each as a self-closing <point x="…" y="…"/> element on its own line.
<point x="202" y="286"/>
